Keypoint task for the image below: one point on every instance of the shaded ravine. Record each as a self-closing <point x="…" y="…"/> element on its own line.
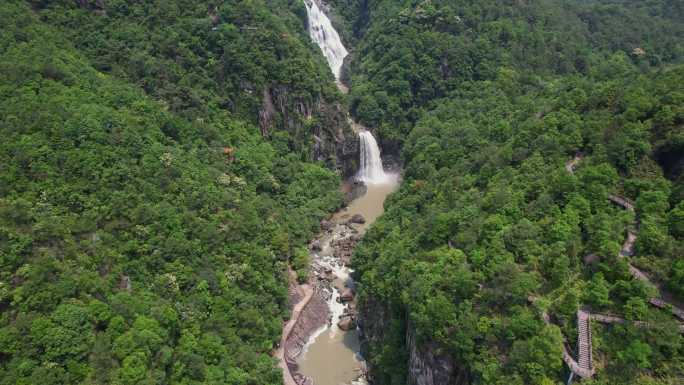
<point x="316" y="346"/>
<point x="332" y="355"/>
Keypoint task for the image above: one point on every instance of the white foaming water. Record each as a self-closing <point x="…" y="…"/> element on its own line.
<point x="323" y="33"/>
<point x="327" y="38"/>
<point x="336" y="360"/>
<point x="335" y="305"/>
<point x="371" y="170"/>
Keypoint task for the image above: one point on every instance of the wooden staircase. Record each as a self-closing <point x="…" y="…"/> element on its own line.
<point x="584" y="349"/>
<point x="584" y="367"/>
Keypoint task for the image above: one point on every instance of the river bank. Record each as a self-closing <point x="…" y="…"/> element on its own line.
<point x="321" y="345"/>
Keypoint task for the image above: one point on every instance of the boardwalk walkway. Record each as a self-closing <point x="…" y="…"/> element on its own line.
<point x="611" y="319"/>
<point x="584" y="367"/>
<point x="621" y="201"/>
<point x="584" y="349"/>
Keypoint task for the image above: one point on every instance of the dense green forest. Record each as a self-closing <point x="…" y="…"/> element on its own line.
<point x="163" y="162"/>
<point x="198" y="56"/>
<point x="487" y="101"/>
<point x="145" y="222"/>
<point x="413" y="53"/>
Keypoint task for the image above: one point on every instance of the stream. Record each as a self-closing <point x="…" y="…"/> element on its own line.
<point x="331" y="355"/>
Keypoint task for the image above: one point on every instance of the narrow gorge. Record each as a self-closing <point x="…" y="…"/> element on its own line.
<point x="321" y="343"/>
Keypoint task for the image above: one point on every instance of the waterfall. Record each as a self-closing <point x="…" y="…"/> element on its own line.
<point x="332" y="354"/>
<point x="327" y="38"/>
<point x="323" y="33"/>
<point x="371" y="170"/>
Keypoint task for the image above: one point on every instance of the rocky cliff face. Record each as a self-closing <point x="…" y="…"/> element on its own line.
<point x="333" y="141"/>
<point x="373" y="321"/>
<point x="426" y="364"/>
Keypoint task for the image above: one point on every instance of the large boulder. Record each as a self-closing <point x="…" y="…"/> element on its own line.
<point x="357" y="218"/>
<point x="347" y="295"/>
<point x="346" y="323"/>
<point x="326" y="225"/>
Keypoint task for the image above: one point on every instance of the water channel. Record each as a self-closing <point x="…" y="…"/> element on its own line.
<point x="331" y="356"/>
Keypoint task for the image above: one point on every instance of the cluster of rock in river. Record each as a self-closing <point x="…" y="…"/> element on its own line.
<point x="331" y="251"/>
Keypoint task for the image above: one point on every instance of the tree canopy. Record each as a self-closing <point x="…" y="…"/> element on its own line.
<point x="145" y="227"/>
<point x="487" y="102"/>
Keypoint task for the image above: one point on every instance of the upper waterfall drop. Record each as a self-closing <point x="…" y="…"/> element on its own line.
<point x="370" y="170"/>
<point x="323" y="33"/>
<point x="327" y="38"/>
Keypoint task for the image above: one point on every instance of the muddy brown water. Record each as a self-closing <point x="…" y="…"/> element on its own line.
<point x="331" y="356"/>
<point x="370" y="205"/>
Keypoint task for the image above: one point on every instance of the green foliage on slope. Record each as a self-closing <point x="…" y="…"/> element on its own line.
<point x="137" y="245"/>
<point x="416" y="51"/>
<point x="490" y="100"/>
<point x="485" y="175"/>
<point x="207" y="57"/>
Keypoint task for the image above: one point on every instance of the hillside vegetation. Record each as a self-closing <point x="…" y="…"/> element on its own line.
<point x="144" y="227"/>
<point x="488" y="101"/>
<point x="164" y="162"/>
